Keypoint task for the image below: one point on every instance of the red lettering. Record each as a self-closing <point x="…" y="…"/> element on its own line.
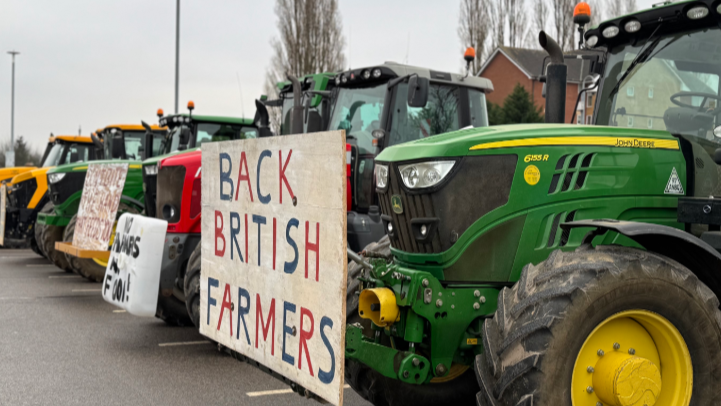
<point x="267" y="326"/>
<point x="312" y="247"/>
<point x="274" y="243"/>
<point x="226" y="304"/>
<point x="281" y="173"/>
<point x="304" y="336"/>
<point x="241" y="177"/>
<point x="219" y="234"/>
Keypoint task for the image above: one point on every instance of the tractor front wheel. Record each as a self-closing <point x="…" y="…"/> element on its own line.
<point x="611" y="326"/>
<point x="456" y="389"/>
<point x="191" y="286"/>
<point x="47" y="235"/>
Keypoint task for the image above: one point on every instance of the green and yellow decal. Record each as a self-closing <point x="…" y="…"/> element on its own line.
<point x="618" y="142"/>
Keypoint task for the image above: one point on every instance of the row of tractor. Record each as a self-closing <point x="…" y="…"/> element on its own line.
<point x="513" y="265"/>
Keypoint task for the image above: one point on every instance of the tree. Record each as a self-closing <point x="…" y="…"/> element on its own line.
<point x="473" y="29"/>
<point x="495" y="114"/>
<point x="617" y="8"/>
<point x="563" y="21"/>
<point x="540" y="15"/>
<point x="518" y="108"/>
<point x="24" y="155"/>
<point x="311" y="41"/>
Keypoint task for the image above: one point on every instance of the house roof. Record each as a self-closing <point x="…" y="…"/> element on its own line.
<point x="530" y="62"/>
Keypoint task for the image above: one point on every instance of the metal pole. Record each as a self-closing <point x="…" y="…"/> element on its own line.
<point x="12" y="105"/>
<point x="177" y="51"/>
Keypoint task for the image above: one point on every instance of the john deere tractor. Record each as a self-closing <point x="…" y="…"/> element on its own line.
<point x="27" y="192"/>
<point x="119" y="143"/>
<point x="559" y="264"/>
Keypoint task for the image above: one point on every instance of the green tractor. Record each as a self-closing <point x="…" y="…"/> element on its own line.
<point x="56" y="221"/>
<point x="558" y="264"/>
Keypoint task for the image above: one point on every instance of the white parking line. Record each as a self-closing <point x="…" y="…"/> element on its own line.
<point x="87" y="290"/>
<point x="276" y="392"/>
<point x="63" y="276"/>
<point x="120" y="311"/>
<point x="183" y="343"/>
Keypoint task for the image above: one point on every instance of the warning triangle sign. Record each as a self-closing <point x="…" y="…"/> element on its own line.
<point x="673" y="187"/>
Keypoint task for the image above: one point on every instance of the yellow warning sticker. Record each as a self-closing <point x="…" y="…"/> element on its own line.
<point x="532" y="174"/>
<point x="471" y="341"/>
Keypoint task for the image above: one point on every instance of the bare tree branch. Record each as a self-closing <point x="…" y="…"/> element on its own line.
<point x="473" y="29"/>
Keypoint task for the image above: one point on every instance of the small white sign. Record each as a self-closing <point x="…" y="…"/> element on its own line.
<point x="273" y="272"/>
<point x="3" y="203"/>
<point x="674" y="187"/>
<point x="132" y="278"/>
<point x="9" y="159"/>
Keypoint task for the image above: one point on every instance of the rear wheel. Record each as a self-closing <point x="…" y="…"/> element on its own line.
<point x="172" y="311"/>
<point x="458" y="388"/>
<point x="191" y="286"/>
<point x="91" y="268"/>
<point x="47" y="235"/>
<point x="610" y="326"/>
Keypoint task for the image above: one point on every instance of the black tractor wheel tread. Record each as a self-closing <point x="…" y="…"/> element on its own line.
<point x="510" y="371"/>
<point x="50" y="235"/>
<point x="49" y="207"/>
<point x="191" y="285"/>
<point x="172" y="311"/>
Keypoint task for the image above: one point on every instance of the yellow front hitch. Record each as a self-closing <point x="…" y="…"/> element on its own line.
<point x="379" y="305"/>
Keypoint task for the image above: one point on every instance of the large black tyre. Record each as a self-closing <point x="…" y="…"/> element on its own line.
<point x="34" y="245"/>
<point x="191" y="286"/>
<point x="172" y="311"/>
<point x="383" y="391"/>
<point x="39" y="228"/>
<point x="85" y="267"/>
<point x="533" y="340"/>
<point x="47" y="236"/>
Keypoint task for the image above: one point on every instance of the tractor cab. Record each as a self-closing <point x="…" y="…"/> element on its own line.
<point x="128" y="141"/>
<point x="661" y="72"/>
<point x="389" y="104"/>
<point x="313" y="98"/>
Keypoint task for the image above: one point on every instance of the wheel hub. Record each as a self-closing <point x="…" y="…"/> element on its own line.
<point x="633" y="358"/>
<point x="626" y="380"/>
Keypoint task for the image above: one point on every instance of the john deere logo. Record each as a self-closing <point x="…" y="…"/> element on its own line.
<point x="397" y="204"/>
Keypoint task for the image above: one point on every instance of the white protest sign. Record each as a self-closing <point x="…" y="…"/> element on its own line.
<point x="3" y="203"/>
<point x="101" y="196"/>
<point x="273" y="272"/>
<point x="132" y="278"/>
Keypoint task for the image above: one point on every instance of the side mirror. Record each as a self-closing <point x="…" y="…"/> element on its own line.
<point x="184" y="136"/>
<point x="118" y="148"/>
<point x="417" y="91"/>
<point x="717" y="132"/>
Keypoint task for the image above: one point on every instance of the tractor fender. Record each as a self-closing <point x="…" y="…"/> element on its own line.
<point x="697" y="255"/>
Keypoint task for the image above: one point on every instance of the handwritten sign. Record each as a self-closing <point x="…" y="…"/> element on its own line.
<point x="132" y="278"/>
<point x="3" y="203"/>
<point x="273" y="272"/>
<point x="98" y="205"/>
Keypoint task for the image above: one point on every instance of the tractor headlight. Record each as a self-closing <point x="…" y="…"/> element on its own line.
<point x="376" y="73"/>
<point x="151" y="170"/>
<point x="381" y="176"/>
<point x="592" y="41"/>
<point x="169" y="212"/>
<point x="55" y="177"/>
<point x="610" y="31"/>
<point x="425" y="174"/>
<point x="632" y="26"/>
<point x="697" y="13"/>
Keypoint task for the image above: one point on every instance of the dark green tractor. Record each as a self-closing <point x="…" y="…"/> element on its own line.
<point x="558" y="264"/>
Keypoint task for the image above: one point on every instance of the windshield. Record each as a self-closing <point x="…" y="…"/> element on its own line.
<point x="676" y="88"/>
<point x="171" y="141"/>
<point x="211" y="132"/>
<point x="358" y="112"/>
<point x="54" y="155"/>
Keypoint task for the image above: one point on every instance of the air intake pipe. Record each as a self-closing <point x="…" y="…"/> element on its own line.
<point x="296" y="112"/>
<point x="556" y="73"/>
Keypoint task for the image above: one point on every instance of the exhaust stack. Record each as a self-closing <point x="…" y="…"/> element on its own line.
<point x="556" y="73"/>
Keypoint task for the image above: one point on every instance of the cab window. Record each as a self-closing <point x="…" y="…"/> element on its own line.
<point x="208" y="132"/>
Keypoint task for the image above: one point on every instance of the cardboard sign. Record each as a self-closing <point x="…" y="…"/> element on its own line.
<point x="132" y="278"/>
<point x="273" y="271"/>
<point x="98" y="205"/>
<point x="3" y="203"/>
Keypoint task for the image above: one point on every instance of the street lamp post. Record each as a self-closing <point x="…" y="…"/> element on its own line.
<point x="12" y="114"/>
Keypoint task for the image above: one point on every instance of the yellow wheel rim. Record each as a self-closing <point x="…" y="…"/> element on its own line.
<point x="102" y="262"/>
<point x="633" y="358"/>
<point x="456" y="371"/>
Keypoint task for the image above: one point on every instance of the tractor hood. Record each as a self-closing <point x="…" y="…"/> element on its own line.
<point x="9" y="173"/>
<point x="83" y="166"/>
<point x="154" y="160"/>
<point x="478" y="140"/>
<point x="182" y="159"/>
<point x="35" y="173"/>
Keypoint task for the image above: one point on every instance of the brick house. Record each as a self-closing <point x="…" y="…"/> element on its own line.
<point x="507" y="66"/>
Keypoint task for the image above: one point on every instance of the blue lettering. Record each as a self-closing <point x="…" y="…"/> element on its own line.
<point x="225" y="176"/>
<point x="258" y="220"/>
<point x="242" y="311"/>
<point x="263" y="199"/>
<point x="234" y="231"/>
<point x="287" y="306"/>
<point x="327" y="377"/>
<point x="289" y="267"/>
<point x="212" y="282"/>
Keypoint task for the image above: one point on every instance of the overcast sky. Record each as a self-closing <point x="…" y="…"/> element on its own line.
<point x="90" y="63"/>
